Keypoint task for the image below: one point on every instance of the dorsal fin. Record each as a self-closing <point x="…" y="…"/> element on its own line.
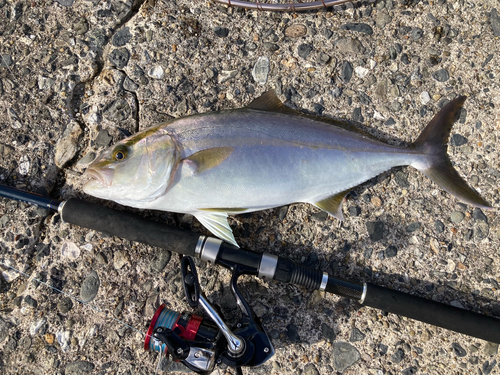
<point x="271" y="103"/>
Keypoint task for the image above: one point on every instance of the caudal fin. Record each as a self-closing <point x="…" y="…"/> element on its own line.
<point x="433" y="141"/>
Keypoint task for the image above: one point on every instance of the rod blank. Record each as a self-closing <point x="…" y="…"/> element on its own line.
<point x="432" y="312"/>
<point x="31" y="198"/>
<point x="288" y="7"/>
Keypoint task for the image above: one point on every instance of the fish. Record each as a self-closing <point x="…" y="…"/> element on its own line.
<point x="262" y="156"/>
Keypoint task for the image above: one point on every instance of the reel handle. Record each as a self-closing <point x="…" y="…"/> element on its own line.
<point x="190" y="281"/>
<point x="235" y="344"/>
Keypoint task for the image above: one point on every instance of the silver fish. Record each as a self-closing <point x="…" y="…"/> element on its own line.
<point x="262" y="156"/>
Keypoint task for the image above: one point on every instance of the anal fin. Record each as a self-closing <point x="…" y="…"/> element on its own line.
<point x="216" y="222"/>
<point x="333" y="204"/>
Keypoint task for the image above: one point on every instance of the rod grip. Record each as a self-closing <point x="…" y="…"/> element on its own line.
<point x="129" y="226"/>
<point x="432" y="312"/>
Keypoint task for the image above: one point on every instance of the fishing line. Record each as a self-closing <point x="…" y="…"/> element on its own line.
<point x="72" y="297"/>
<point x="3" y="59"/>
<point x="14" y="79"/>
<point x="12" y="73"/>
<point x="160" y="357"/>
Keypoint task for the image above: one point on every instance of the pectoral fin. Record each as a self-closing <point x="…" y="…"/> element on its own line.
<point x="216" y="222"/>
<point x="333" y="204"/>
<point x="204" y="160"/>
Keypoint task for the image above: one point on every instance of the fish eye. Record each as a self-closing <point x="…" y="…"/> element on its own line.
<point x="119" y="153"/>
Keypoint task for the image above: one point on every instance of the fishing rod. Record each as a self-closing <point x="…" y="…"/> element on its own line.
<point x="290" y="6"/>
<point x="200" y="343"/>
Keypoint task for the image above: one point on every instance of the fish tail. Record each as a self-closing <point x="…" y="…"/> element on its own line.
<point x="433" y="142"/>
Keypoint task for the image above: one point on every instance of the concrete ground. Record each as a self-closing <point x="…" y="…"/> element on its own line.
<point x="79" y="75"/>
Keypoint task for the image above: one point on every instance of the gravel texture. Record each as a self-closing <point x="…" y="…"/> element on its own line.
<point x="76" y="76"/>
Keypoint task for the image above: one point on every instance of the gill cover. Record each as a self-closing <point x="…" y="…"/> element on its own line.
<point x="136" y="170"/>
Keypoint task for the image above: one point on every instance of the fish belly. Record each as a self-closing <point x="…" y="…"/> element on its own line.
<point x="256" y="179"/>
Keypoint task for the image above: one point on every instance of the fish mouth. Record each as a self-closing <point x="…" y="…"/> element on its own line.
<point x="98" y="178"/>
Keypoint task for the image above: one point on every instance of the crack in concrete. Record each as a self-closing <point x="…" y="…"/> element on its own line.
<point x="134" y="10"/>
<point x="136" y="115"/>
<point x="100" y="61"/>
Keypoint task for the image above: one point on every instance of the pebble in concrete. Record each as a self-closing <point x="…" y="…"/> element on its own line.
<point x="90" y="287"/>
<point x="260" y="70"/>
<point x="296" y="31"/>
<point x="160" y="261"/>
<point x="78" y="368"/>
<point x="67" y="145"/>
<point x="344" y="355"/>
<point x="441" y="75"/>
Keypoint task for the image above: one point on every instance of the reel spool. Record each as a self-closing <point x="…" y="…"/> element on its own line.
<point x="187" y="326"/>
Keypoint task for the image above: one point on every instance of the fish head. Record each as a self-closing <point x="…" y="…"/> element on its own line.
<point x="136" y="170"/>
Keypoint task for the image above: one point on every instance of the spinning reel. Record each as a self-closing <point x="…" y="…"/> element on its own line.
<point x="200" y="343"/>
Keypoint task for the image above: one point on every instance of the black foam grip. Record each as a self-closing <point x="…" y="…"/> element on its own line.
<point x="438" y="314"/>
<point x="129" y="226"/>
<point x="290" y="272"/>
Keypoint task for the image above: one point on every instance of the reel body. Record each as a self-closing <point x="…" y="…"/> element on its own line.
<point x="201" y="343"/>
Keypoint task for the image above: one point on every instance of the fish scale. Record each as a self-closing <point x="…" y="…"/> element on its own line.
<point x="262" y="156"/>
